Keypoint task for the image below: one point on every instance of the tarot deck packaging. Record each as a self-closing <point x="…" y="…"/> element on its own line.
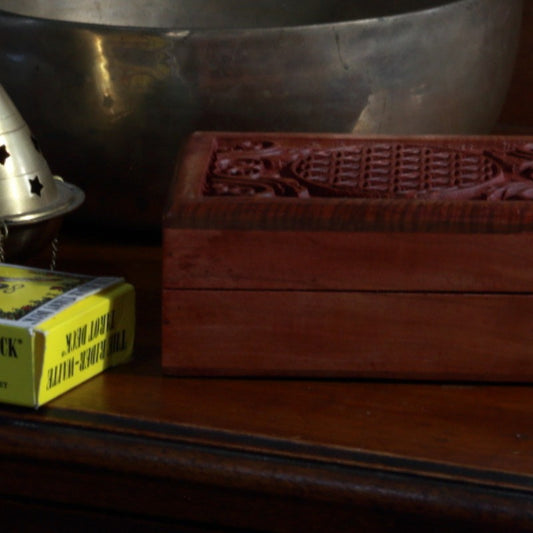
<point x="341" y="256"/>
<point x="58" y="330"/>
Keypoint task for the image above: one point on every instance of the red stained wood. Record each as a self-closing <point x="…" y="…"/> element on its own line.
<point x="332" y="255"/>
<point x="156" y="453"/>
<point x="334" y="260"/>
<point x="380" y="335"/>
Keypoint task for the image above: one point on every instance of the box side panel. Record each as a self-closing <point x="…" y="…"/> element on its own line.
<point x="323" y="260"/>
<point x="394" y="335"/>
<point x="16" y="365"/>
<point x="86" y="339"/>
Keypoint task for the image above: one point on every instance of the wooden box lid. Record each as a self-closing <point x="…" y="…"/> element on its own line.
<point x="341" y="182"/>
<point x="338" y="212"/>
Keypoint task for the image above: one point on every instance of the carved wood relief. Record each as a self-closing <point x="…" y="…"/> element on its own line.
<point x="371" y="169"/>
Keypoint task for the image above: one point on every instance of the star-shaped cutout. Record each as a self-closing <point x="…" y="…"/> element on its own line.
<point x="4" y="154"/>
<point x="36" y="186"/>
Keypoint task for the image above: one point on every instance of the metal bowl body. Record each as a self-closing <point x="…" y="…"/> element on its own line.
<point x="25" y="241"/>
<point x="111" y="88"/>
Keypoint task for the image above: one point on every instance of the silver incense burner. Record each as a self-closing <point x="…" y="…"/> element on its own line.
<point x="32" y="200"/>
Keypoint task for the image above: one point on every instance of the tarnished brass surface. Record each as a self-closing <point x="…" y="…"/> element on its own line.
<point x="113" y="87"/>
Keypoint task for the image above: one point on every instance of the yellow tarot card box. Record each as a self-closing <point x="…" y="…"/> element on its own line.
<point x="59" y="329"/>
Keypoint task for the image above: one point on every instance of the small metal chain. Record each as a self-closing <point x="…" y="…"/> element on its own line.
<point x="55" y="248"/>
<point x="3" y="237"/>
<point x="4" y="232"/>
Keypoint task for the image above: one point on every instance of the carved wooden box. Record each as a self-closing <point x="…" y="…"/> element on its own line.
<point x="339" y="256"/>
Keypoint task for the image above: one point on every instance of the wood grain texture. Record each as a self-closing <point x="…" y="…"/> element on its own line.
<point x="377" y="335"/>
<point x="190" y="205"/>
<point x="353" y="215"/>
<point x="214" y="489"/>
<point x="337" y="255"/>
<point x="187" y="454"/>
<point x="347" y="261"/>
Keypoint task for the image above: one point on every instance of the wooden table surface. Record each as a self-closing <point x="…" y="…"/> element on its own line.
<point x="135" y="449"/>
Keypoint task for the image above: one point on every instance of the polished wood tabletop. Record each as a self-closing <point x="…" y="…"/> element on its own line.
<point x="134" y="448"/>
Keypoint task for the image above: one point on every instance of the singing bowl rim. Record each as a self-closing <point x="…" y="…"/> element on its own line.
<point x="379" y="19"/>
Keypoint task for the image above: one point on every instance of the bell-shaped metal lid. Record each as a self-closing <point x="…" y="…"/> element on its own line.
<point x="28" y="190"/>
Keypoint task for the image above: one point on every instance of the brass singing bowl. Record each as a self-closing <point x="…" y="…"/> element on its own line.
<point x="112" y="87"/>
